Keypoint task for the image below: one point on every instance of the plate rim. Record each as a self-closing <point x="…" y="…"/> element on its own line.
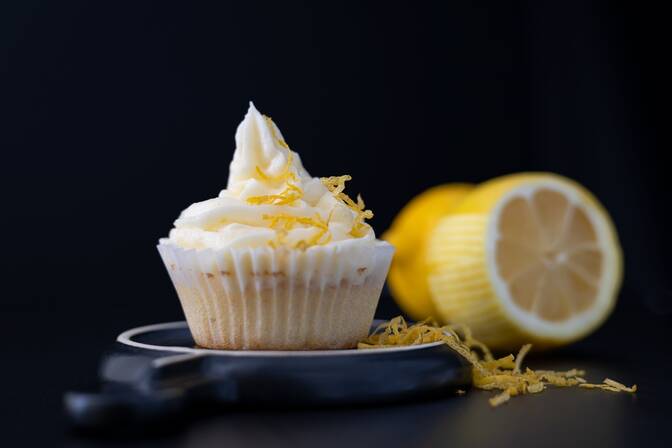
<point x="126" y="338"/>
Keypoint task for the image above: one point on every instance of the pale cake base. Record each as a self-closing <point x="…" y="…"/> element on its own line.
<point x="277" y="301"/>
<point x="280" y="319"/>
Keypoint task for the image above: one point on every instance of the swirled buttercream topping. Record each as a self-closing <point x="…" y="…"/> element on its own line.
<point x="270" y="199"/>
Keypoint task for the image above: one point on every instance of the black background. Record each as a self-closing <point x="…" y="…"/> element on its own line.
<point x="117" y="115"/>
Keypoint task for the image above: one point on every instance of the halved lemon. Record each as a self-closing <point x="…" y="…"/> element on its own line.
<point x="526" y="258"/>
<point x="408" y="234"/>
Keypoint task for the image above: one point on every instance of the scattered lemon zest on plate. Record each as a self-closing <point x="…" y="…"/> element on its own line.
<point x="611" y="385"/>
<point x="504" y="374"/>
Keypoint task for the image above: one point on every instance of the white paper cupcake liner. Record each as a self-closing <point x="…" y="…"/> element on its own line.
<point x="278" y="299"/>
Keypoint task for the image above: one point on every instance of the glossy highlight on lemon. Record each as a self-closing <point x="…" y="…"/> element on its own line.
<point x="530" y="257"/>
<point x="409" y="232"/>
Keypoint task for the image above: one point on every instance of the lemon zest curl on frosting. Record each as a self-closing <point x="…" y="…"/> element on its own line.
<point x="504" y="374"/>
<point x="286" y="175"/>
<point x="292" y="192"/>
<point x="271" y="125"/>
<point x="287" y="196"/>
<point x="283" y="223"/>
<point x="336" y="184"/>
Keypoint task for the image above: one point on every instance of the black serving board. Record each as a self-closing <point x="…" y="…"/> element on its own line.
<point x="157" y="371"/>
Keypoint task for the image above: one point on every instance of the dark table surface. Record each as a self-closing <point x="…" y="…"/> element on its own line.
<point x="56" y="351"/>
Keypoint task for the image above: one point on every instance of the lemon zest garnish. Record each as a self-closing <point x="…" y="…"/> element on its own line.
<point x="499" y="399"/>
<point x="611" y="385"/>
<point x="524" y="350"/>
<point x="285" y="175"/>
<point x="287" y="196"/>
<point x="504" y="374"/>
<point x="292" y="192"/>
<point x="336" y="184"/>
<point x="283" y="223"/>
<point x="271" y="125"/>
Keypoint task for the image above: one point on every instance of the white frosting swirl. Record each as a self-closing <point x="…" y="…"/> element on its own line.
<point x="262" y="170"/>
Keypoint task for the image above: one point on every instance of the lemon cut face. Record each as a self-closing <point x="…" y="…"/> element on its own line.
<point x="555" y="262"/>
<point x="526" y="258"/>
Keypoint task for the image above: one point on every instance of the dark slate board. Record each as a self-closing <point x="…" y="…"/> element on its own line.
<point x="156" y="371"/>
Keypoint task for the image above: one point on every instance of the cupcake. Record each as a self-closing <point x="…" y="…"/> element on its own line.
<point x="279" y="260"/>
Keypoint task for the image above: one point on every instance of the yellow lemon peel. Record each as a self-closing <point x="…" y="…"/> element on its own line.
<point x="611" y="385"/>
<point x="285" y="175"/>
<point x="504" y="374"/>
<point x="288" y="196"/>
<point x="271" y="125"/>
<point x="282" y="223"/>
<point x="336" y="184"/>
<point x="293" y="193"/>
